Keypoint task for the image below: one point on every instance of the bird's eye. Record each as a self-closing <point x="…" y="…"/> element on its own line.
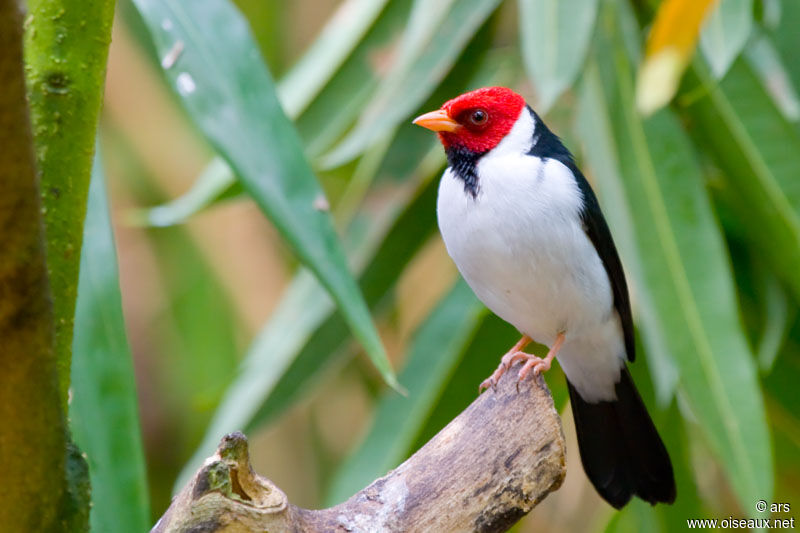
<point x="479" y="117"/>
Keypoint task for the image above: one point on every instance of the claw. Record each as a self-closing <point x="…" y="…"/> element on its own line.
<point x="505" y="363"/>
<point x="537" y="364"/>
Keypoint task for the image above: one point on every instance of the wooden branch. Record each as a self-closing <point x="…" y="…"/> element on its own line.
<point x="483" y="472"/>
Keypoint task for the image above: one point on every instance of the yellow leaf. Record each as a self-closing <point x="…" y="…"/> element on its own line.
<point x="670" y="46"/>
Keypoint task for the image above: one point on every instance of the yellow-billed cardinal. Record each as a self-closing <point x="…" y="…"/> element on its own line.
<point x="526" y="232"/>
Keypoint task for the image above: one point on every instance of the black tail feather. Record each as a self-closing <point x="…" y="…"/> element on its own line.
<point x="621" y="452"/>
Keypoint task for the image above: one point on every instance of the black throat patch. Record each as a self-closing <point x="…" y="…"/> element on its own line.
<point x="464" y="163"/>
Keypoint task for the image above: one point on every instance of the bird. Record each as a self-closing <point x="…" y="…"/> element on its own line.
<point x="526" y="232"/>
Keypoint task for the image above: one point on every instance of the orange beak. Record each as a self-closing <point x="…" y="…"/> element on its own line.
<point x="437" y="120"/>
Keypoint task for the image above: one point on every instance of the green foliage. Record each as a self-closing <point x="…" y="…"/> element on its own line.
<point x="104" y="410"/>
<point x="702" y="198"/>
<point x="229" y="92"/>
<point x="757" y="150"/>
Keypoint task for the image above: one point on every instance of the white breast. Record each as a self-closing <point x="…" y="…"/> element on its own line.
<point x="521" y="247"/>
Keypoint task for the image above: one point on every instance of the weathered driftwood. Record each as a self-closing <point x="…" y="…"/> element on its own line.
<point x="484" y="471"/>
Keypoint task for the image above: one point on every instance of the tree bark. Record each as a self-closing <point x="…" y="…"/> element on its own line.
<point x="483" y="472"/>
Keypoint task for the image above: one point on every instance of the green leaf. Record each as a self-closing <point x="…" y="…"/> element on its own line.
<point x="636" y="517"/>
<point x="214" y="184"/>
<point x="200" y="365"/>
<point x="104" y="406"/>
<point x="768" y="310"/>
<point x="555" y="37"/>
<point x="406" y="233"/>
<point x="681" y="274"/>
<point x="785" y="38"/>
<point x="435" y="36"/>
<point x="229" y="93"/>
<point x="764" y="59"/>
<point x="759" y="152"/>
<point x="784" y="404"/>
<point x="435" y="350"/>
<point x="338" y="38"/>
<point x="725" y="33"/>
<point x="779" y="315"/>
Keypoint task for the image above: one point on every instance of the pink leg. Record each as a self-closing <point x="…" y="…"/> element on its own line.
<point x="538" y="365"/>
<point x="505" y="363"/>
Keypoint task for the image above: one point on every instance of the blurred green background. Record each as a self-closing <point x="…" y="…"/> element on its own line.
<point x="228" y="330"/>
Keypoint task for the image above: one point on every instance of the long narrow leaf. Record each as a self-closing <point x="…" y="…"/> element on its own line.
<point x="785" y="38"/>
<point x="779" y="315"/>
<point x="684" y="274"/>
<point x="197" y="366"/>
<point x="401" y="240"/>
<point x="764" y="59"/>
<point x="104" y="407"/>
<point x="555" y="37"/>
<point x="228" y="91"/>
<point x="214" y="184"/>
<point x="725" y="33"/>
<point x="759" y="150"/>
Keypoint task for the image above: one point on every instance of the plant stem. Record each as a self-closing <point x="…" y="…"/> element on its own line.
<point x="66" y="47"/>
<point x="33" y="443"/>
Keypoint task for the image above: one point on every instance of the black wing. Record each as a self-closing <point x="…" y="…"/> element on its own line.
<point x="547" y="145"/>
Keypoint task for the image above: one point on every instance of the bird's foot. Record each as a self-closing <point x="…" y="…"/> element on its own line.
<point x="537" y="364"/>
<point x="532" y="362"/>
<point x="505" y="363"/>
